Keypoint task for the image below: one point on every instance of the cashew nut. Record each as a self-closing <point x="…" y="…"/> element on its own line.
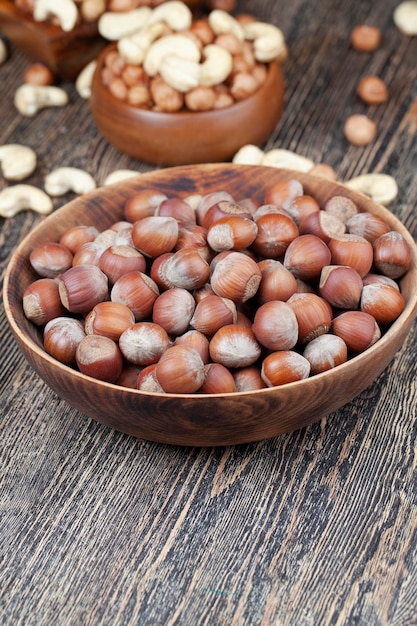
<point x="222" y="22"/>
<point x="133" y="48"/>
<point x="181" y="74"/>
<point x="17" y="162"/>
<point x="405" y="17"/>
<point x="178" y="45"/>
<point x="65" y="179"/>
<point x="249" y="155"/>
<point x="113" y="26"/>
<point x="287" y="159"/>
<point x="268" y="40"/>
<point x="64" y="10"/>
<point x="3" y="52"/>
<point x="118" y="175"/>
<point x="22" y="197"/>
<point x="84" y="79"/>
<point x="217" y="65"/>
<point x="29" y="99"/>
<point x="381" y="188"/>
<point x="174" y="13"/>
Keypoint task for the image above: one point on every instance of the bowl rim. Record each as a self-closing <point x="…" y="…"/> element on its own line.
<point x="407" y="315"/>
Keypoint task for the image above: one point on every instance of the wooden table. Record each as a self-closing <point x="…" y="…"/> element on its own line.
<point x="315" y="527"/>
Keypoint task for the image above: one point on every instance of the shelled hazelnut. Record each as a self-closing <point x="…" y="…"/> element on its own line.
<point x="200" y="317"/>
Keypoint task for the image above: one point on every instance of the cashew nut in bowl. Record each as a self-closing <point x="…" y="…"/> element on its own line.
<point x="175" y="14"/>
<point x="133" y="48"/>
<point x="181" y="74"/>
<point x="23" y="197"/>
<point x="222" y="22"/>
<point x="177" y="44"/>
<point x="249" y="155"/>
<point x="29" y="99"/>
<point x="118" y="175"/>
<point x="17" y="161"/>
<point x="268" y="40"/>
<point x="65" y="179"/>
<point x="113" y="26"/>
<point x="216" y="67"/>
<point x="84" y="80"/>
<point x="381" y="188"/>
<point x="64" y="10"/>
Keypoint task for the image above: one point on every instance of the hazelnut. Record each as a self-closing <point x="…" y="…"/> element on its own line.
<point x="180" y="370"/>
<point x="392" y="254"/>
<point x="217" y="379"/>
<point x="41" y="301"/>
<point x="359" y="130"/>
<point x="234" y="346"/>
<point x="99" y="357"/>
<point x="372" y="90"/>
<point x="365" y="38"/>
<point x="173" y="310"/>
<point x="61" y="337"/>
<point x="305" y="257"/>
<point x="275" y="326"/>
<point x="144" y="343"/>
<point x="285" y="366"/>
<point x="325" y="352"/>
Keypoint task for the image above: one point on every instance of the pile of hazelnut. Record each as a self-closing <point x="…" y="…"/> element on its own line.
<point x="204" y="294"/>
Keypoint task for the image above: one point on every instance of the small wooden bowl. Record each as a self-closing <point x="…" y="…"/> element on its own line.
<point x="65" y="53"/>
<point x="200" y="420"/>
<point x="187" y="137"/>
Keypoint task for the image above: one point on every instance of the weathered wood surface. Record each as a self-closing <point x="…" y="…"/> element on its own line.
<point x="315" y="527"/>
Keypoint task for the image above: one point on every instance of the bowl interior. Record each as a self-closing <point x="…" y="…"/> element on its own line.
<point x="187" y="137"/>
<point x="200" y="419"/>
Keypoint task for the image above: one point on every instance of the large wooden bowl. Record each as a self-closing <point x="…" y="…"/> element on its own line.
<point x="200" y="420"/>
<point x="187" y="137"/>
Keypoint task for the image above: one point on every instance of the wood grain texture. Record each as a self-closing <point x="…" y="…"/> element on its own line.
<point x="315" y="527"/>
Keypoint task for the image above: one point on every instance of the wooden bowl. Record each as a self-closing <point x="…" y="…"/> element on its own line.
<point x="187" y="137"/>
<point x="65" y="53"/>
<point x="200" y="420"/>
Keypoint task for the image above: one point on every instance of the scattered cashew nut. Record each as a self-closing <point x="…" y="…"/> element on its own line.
<point x="29" y="99"/>
<point x="249" y="155"/>
<point x="84" y="79"/>
<point x="64" y="10"/>
<point x="222" y="22"/>
<point x="405" y="17"/>
<point x="268" y="40"/>
<point x="17" y="161"/>
<point x="118" y="175"/>
<point x="22" y="197"/>
<point x="381" y="188"/>
<point x="287" y="159"/>
<point x="65" y="179"/>
<point x="178" y="45"/>
<point x="175" y="14"/>
<point x="113" y="26"/>
<point x="3" y="52"/>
